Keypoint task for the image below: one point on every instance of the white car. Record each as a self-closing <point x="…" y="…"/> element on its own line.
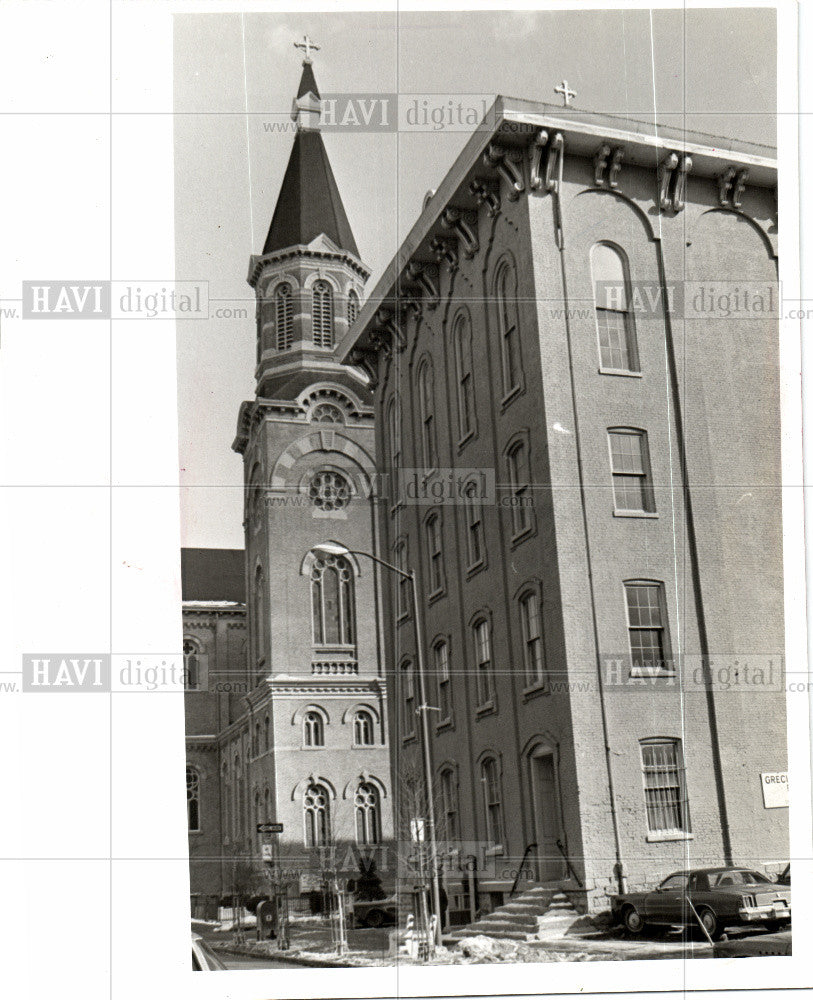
<point x="203" y="958"/>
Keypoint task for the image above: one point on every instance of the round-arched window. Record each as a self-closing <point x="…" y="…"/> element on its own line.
<point x="327" y="413"/>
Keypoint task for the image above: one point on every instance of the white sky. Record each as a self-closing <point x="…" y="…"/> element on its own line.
<point x="713" y="70"/>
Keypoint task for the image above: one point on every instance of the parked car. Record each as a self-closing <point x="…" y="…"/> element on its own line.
<point x="722" y="897"/>
<point x="759" y="944"/>
<point x="784" y="876"/>
<point x="375" y="912"/>
<point x="203" y="958"/>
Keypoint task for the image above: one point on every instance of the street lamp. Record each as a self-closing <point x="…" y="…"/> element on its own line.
<point x="334" y="549"/>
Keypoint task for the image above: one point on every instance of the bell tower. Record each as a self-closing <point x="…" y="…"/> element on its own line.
<point x="317" y="708"/>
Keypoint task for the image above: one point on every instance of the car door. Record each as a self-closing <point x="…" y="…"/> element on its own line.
<point x="667" y="904"/>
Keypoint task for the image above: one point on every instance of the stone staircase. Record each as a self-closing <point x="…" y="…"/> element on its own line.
<point x="533" y="915"/>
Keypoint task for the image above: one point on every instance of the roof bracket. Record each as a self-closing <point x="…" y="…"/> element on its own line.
<point x="508" y="163"/>
<point x="445" y="249"/>
<point x="608" y="159"/>
<point x="486" y="192"/>
<point x="426" y="277"/>
<point x="537" y="154"/>
<point x="463" y="224"/>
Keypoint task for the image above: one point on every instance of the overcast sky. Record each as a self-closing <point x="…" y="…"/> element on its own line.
<point x="713" y="70"/>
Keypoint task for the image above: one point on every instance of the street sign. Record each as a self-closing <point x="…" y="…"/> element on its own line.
<point x="269" y="828"/>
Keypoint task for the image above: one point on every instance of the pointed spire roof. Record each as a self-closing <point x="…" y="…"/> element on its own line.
<point x="307" y="85"/>
<point x="309" y="204"/>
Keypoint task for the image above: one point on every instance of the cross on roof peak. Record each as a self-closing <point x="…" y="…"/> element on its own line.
<point x="565" y="91"/>
<point x="307" y="45"/>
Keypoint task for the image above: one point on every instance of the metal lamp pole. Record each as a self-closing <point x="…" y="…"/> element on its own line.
<point x="333" y="549"/>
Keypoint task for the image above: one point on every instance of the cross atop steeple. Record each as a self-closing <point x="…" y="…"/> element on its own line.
<point x="566" y="93"/>
<point x="307" y="45"/>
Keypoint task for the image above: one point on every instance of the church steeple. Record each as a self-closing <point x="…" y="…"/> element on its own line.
<point x="309" y="277"/>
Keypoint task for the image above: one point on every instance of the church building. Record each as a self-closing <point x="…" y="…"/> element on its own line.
<point x="575" y="360"/>
<point x="286" y="716"/>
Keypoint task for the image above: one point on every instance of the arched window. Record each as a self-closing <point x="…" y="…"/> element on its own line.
<point x="394" y="431"/>
<point x="629" y="463"/>
<point x="259" y="613"/>
<point x="485" y="667"/>
<point x="363" y="728"/>
<point x="443" y="677"/>
<point x="313" y="727"/>
<point x="408" y="698"/>
<point x="465" y="376"/>
<point x="257" y="730"/>
<point x="191" y="665"/>
<point x="237" y="814"/>
<point x="403" y="589"/>
<point x="228" y="801"/>
<point x="426" y="407"/>
<point x="508" y="325"/>
<point x="326" y="413"/>
<point x="284" y="316"/>
<point x="352" y="307"/>
<point x="257" y="815"/>
<point x="519" y="478"/>
<point x="448" y="799"/>
<point x="333" y="599"/>
<point x="368" y="814"/>
<point x="267" y="797"/>
<point x="329" y="490"/>
<point x="618" y="350"/>
<point x="434" y="554"/>
<point x="316" y="806"/>
<point x="492" y="800"/>
<point x="475" y="540"/>
<point x="192" y="799"/>
<point x="267" y="739"/>
<point x="322" y="319"/>
<point x="533" y="653"/>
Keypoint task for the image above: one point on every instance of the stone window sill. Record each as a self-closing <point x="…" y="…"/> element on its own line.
<point x="620" y="371"/>
<point x="663" y="838"/>
<point x="636" y="513"/>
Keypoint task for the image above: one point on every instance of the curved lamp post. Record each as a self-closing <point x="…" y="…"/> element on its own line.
<point x="334" y="549"/>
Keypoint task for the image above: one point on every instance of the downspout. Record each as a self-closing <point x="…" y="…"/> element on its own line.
<point x="618" y="870"/>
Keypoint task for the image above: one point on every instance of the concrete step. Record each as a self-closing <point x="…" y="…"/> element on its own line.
<point x="503" y="935"/>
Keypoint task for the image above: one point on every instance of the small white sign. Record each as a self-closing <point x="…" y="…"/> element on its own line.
<point x="775" y="790"/>
<point x="268" y="852"/>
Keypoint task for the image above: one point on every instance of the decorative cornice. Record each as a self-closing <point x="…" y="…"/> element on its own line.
<point x="731" y="187"/>
<point x="426" y="275"/>
<point x="464" y="226"/>
<point x="671" y="192"/>
<point x="508" y="163"/>
<point x="445" y="249"/>
<point x="608" y="159"/>
<point x="486" y="192"/>
<point x="259" y="262"/>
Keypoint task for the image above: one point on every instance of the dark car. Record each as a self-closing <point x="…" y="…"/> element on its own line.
<point x="721" y="897"/>
<point x="375" y="913"/>
<point x="203" y="958"/>
<point x="784" y="876"/>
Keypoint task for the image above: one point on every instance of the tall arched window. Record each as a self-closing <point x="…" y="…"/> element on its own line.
<point x="192" y="799"/>
<point x="426" y="407"/>
<point x="533" y="653"/>
<point x="237" y="814"/>
<point x="368" y="814"/>
<point x="267" y="797"/>
<point x="316" y="806"/>
<point x="333" y="599"/>
<point x="284" y="316"/>
<point x="403" y="588"/>
<point x="352" y="307"/>
<point x="508" y="325"/>
<point x="313" y="727"/>
<point x="408" y="698"/>
<point x="465" y="376"/>
<point x="228" y="800"/>
<point x="434" y="554"/>
<point x="519" y="478"/>
<point x="363" y="728"/>
<point x="485" y="667"/>
<point x="443" y="676"/>
<point x="394" y="431"/>
<point x="257" y="815"/>
<point x="322" y="316"/>
<point x="449" y="809"/>
<point x="259" y="613"/>
<point x="267" y="740"/>
<point x="492" y="800"/>
<point x="191" y="665"/>
<point x="618" y="350"/>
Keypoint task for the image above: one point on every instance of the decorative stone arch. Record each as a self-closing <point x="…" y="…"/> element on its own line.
<point x="310" y="558"/>
<point x="364" y="777"/>
<point x="329" y="441"/>
<point x="350" y="712"/>
<point x="772" y="249"/>
<point x="269" y="288"/>
<point x="329" y="279"/>
<point x="313" y="779"/>
<point x="505" y="256"/>
<point x="299" y="715"/>
<point x="643" y="218"/>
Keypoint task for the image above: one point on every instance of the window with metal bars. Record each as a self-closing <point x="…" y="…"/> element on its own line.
<point x="322" y="314"/>
<point x="284" y="316"/>
<point x="632" y="477"/>
<point x="667" y="806"/>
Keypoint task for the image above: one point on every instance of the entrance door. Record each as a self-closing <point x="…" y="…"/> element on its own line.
<point x="550" y="864"/>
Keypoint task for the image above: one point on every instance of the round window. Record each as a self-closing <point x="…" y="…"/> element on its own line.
<point x="329" y="490"/>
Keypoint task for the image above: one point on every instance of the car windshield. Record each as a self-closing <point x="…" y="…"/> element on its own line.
<point x="675" y="883"/>
<point x="736" y="878"/>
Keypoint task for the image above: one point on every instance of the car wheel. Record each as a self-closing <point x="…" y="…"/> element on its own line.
<point x="709" y="921"/>
<point x="375" y="918"/>
<point x="633" y="920"/>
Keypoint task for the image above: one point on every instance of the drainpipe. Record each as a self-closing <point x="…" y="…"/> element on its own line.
<point x="618" y="868"/>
